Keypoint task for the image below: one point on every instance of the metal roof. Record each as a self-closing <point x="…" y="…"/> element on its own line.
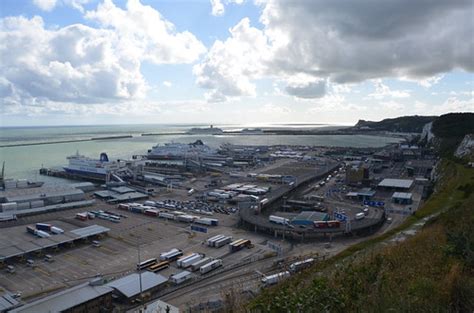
<point x="90" y="230"/>
<point x="7" y="302"/>
<point x="312" y="216"/>
<point x="402" y="195"/>
<point x="129" y="285"/>
<point x="181" y="274"/>
<point x="123" y="189"/>
<point x="396" y="183"/>
<point x="65" y="299"/>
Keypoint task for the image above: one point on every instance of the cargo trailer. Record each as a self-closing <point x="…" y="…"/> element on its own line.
<point x="210" y="266"/>
<point x="197" y="265"/>
<point x="222" y="242"/>
<point x="180" y="277"/>
<point x="275" y="278"/>
<point x="298" y="266"/>
<point x="190" y="261"/>
<point x="278" y="220"/>
<point x="210" y="241"/>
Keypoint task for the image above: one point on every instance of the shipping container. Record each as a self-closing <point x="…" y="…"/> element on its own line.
<point x="210" y="266"/>
<point x="190" y="261"/>
<point x="185" y="218"/>
<point x="222" y="242"/>
<point x="44" y="227"/>
<point x="298" y="266"/>
<point x="207" y="221"/>
<point x="275" y="278"/>
<point x="180" y="277"/>
<point x="185" y="257"/>
<point x="210" y="241"/>
<point x="197" y="265"/>
<point x="171" y="255"/>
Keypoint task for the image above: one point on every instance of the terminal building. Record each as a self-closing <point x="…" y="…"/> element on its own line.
<point x="392" y="184"/>
<point x="402" y="198"/>
<point x="90" y="297"/>
<point x="308" y="218"/>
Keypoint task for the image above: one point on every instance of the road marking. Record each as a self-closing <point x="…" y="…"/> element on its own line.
<point x="38" y="269"/>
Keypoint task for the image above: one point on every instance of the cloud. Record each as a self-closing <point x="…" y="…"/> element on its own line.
<point x="167" y="84"/>
<point x="230" y="65"/>
<point x="383" y="91"/>
<point x="304" y="86"/>
<point x="217" y="7"/>
<point x="45" y="5"/>
<point x="79" y="64"/>
<point x="345" y="42"/>
<point x="145" y="34"/>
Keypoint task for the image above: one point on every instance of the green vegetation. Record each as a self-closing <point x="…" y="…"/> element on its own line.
<point x="404" y="124"/>
<point x="432" y="271"/>
<point x="450" y="130"/>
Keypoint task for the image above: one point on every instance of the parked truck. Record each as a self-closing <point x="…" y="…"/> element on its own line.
<point x="197" y="265"/>
<point x="278" y="220"/>
<point x="171" y="255"/>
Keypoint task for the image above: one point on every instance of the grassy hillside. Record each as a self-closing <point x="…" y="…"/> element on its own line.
<point x="430" y="272"/>
<point x="405" y="124"/>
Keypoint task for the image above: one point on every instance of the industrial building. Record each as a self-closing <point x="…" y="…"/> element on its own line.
<point x="120" y="194"/>
<point x="362" y="194"/>
<point x="34" y="198"/>
<point x="308" y="218"/>
<point x="128" y="287"/>
<point x="7" y="302"/>
<point x="402" y="198"/>
<point x="395" y="184"/>
<point x="90" y="297"/>
<point x="24" y="248"/>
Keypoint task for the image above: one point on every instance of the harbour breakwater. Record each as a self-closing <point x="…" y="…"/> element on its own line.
<point x="63" y="141"/>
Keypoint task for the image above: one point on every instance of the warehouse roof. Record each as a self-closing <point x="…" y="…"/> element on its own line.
<point x="123" y="189"/>
<point x="7" y="302"/>
<point x="129" y="285"/>
<point x="65" y="299"/>
<point x="396" y="183"/>
<point x="402" y="195"/>
<point x="181" y="274"/>
<point x="312" y="216"/>
<point x="90" y="230"/>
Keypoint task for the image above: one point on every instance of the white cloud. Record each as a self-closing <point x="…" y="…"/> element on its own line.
<point x="145" y="34"/>
<point x="383" y="91"/>
<point x="79" y="64"/>
<point x="337" y="42"/>
<point x="167" y="84"/>
<point x="217" y="8"/>
<point x="246" y="49"/>
<point x="45" y="5"/>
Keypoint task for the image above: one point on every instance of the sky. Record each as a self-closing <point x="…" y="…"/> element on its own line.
<point x="81" y="62"/>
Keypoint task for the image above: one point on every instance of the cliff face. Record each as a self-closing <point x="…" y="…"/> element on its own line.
<point x="466" y="147"/>
<point x="404" y="124"/>
<point x="426" y="133"/>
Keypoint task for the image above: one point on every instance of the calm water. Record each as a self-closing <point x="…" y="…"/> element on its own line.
<point x="25" y="161"/>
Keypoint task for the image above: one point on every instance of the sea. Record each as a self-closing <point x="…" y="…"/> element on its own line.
<point x="25" y="161"/>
